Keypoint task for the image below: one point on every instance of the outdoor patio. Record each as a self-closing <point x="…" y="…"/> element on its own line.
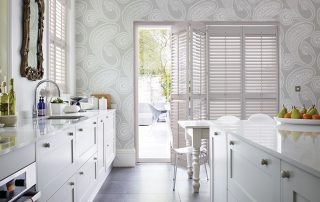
<point x="154" y="141"/>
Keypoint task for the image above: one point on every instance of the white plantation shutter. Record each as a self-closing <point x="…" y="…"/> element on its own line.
<point x="225" y="71"/>
<point x="58" y="42"/>
<point x="198" y="94"/>
<point x="179" y="103"/>
<point x="261" y="70"/>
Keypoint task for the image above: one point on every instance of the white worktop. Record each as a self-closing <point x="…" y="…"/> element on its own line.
<point x="296" y="144"/>
<point x="27" y="131"/>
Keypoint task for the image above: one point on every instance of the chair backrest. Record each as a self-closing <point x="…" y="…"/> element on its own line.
<point x="260" y="118"/>
<point x="228" y="118"/>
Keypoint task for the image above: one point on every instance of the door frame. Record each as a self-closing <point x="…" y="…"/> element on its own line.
<point x="136" y="26"/>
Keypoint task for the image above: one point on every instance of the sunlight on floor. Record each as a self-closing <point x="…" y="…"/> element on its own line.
<point x="154" y="141"/>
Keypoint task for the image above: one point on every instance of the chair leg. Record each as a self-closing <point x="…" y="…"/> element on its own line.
<point x="175" y="173"/>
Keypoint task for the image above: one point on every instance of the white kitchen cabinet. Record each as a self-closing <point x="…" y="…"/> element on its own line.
<point x="110" y="138"/>
<point x="253" y="175"/>
<point x="298" y="185"/>
<point x="66" y="193"/>
<point x="218" y="165"/>
<point x="86" y="177"/>
<point x="55" y="161"/>
<point x="86" y="140"/>
<point x="100" y="148"/>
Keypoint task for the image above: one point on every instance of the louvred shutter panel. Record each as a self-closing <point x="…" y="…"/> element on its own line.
<point x="58" y="42"/>
<point x="261" y="70"/>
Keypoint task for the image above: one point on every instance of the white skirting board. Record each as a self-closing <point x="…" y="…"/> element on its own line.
<point x="125" y="158"/>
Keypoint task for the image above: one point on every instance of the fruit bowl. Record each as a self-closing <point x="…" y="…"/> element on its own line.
<point x="299" y="121"/>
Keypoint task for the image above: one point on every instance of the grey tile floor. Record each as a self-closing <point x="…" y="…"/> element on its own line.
<point x="151" y="183"/>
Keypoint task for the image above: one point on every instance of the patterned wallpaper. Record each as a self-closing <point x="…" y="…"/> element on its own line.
<point x="104" y="44"/>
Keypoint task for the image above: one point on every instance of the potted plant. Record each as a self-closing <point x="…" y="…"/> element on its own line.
<point x="57" y="105"/>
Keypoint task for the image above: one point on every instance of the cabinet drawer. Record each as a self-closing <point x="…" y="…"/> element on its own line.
<point x="253" y="175"/>
<point x="55" y="156"/>
<point x="86" y="177"/>
<point x="66" y="193"/>
<point x="298" y="185"/>
<point x="86" y="140"/>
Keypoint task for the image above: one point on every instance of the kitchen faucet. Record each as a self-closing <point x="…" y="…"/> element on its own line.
<point x="34" y="110"/>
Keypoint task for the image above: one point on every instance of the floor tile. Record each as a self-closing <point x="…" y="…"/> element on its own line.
<point x="151" y="182"/>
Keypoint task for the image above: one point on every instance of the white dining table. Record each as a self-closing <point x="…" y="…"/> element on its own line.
<point x="197" y="129"/>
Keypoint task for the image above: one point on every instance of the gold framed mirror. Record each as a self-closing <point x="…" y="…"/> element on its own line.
<point x="26" y="70"/>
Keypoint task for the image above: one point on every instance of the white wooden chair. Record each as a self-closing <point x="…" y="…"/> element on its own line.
<point x="260" y="118"/>
<point x="183" y="151"/>
<point x="228" y="118"/>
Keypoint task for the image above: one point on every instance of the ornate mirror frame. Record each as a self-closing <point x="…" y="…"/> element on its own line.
<point x="32" y="73"/>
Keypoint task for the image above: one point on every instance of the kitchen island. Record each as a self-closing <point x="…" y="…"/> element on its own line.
<point x="73" y="156"/>
<point x="253" y="161"/>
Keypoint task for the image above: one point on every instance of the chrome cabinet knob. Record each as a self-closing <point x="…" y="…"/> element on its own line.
<point x="71" y="183"/>
<point x="216" y="133"/>
<point x="95" y="158"/>
<point x="231" y="143"/>
<point x="46" y="145"/>
<point x="264" y="162"/>
<point x="70" y="134"/>
<point x="285" y="174"/>
<point x="94" y="122"/>
<point x="80" y="129"/>
<point x="81" y="173"/>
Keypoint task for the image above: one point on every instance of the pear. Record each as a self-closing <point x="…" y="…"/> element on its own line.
<point x="282" y="112"/>
<point x="295" y="114"/>
<point x="313" y="110"/>
<point x="303" y="110"/>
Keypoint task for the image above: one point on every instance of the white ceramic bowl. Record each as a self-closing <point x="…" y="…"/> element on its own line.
<point x="8" y="121"/>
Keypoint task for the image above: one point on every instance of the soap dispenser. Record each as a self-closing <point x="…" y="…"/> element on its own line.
<point x="41" y="107"/>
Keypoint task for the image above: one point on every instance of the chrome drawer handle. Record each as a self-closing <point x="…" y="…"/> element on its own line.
<point x="70" y="134"/>
<point x="264" y="162"/>
<point x="80" y="129"/>
<point x="231" y="143"/>
<point x="81" y="173"/>
<point x="46" y="145"/>
<point x="285" y="174"/>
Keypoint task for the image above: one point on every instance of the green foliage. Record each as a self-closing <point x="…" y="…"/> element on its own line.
<point x="57" y="100"/>
<point x="154" y="56"/>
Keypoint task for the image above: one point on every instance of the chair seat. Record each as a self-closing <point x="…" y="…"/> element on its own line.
<point x="183" y="150"/>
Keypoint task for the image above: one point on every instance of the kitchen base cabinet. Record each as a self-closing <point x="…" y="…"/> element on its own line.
<point x="298" y="185"/>
<point x="66" y="193"/>
<point x="74" y="163"/>
<point x="86" y="177"/>
<point x="218" y="162"/>
<point x="55" y="161"/>
<point x="253" y="175"/>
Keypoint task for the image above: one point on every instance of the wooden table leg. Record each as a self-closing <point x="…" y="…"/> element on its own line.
<point x="196" y="169"/>
<point x="189" y="166"/>
<point x="196" y="143"/>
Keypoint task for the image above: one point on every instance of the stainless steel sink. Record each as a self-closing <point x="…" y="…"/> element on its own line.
<point x="65" y="117"/>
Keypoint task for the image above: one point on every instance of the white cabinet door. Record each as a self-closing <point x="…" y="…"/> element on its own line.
<point x="55" y="161"/>
<point x="253" y="175"/>
<point x="100" y="145"/>
<point x="85" y="179"/>
<point x="109" y="134"/>
<point x="298" y="185"/>
<point x="66" y="193"/>
<point x="86" y="140"/>
<point x="219" y="165"/>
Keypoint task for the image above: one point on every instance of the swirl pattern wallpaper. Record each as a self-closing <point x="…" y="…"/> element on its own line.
<point x="104" y="45"/>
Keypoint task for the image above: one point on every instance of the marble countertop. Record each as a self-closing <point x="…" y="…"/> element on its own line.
<point x="27" y="131"/>
<point x="295" y="144"/>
